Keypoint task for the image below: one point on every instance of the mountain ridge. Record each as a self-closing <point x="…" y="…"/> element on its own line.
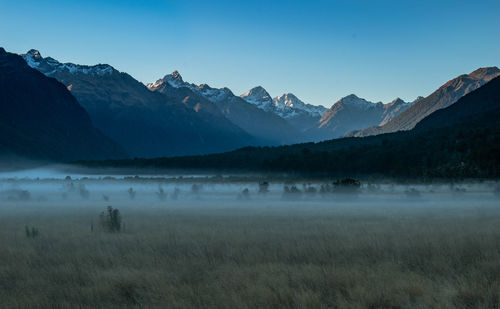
<point x="40" y="118"/>
<point x="146" y="123"/>
<point x="444" y="96"/>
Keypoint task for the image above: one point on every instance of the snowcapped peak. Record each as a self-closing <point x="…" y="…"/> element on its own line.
<point x="33" y="53"/>
<point x="33" y="58"/>
<point x="173" y="79"/>
<point x="50" y="66"/>
<point x="259" y="97"/>
<point x="288" y="105"/>
<point x="176" y="74"/>
<point x="256" y="92"/>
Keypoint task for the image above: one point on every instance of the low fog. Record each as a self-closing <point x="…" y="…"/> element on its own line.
<point x="56" y="187"/>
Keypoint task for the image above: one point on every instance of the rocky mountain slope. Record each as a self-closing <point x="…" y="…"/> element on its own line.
<point x="40" y="119"/>
<point x="267" y="127"/>
<point x="300" y="115"/>
<point x="443" y="97"/>
<point x="146" y="123"/>
<point x="351" y="113"/>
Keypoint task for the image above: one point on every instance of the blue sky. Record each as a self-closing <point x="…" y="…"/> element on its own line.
<point x="318" y="50"/>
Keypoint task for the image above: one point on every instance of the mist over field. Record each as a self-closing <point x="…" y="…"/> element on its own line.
<point x="226" y="241"/>
<point x="52" y="186"/>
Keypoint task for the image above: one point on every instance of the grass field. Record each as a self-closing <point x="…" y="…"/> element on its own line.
<point x="275" y="255"/>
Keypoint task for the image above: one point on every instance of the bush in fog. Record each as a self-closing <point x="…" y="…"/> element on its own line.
<point x="175" y="194"/>
<point x="291" y="192"/>
<point x="309" y="189"/>
<point x="105" y="197"/>
<point x="31" y="232"/>
<point x="325" y="188"/>
<point x="412" y="193"/>
<point x="161" y="193"/>
<point x="459" y="191"/>
<point x="346" y="185"/>
<point x="244" y="195"/>
<point x="111" y="220"/>
<point x="195" y="188"/>
<point x="84" y="193"/>
<point x="263" y="187"/>
<point x="131" y="193"/>
<point x="18" y="195"/>
<point x="373" y="188"/>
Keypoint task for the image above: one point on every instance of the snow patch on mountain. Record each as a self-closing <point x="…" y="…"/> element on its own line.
<point x="286" y="105"/>
<point x="259" y="97"/>
<point x="49" y="65"/>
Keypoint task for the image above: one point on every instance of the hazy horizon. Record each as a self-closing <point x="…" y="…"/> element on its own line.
<point x="319" y="51"/>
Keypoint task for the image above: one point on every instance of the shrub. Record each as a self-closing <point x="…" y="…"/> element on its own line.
<point x="291" y="192"/>
<point x="111" y="220"/>
<point x="131" y="193"/>
<point x="412" y="193"/>
<point x="244" y="195"/>
<point x="84" y="193"/>
<point x="31" y="232"/>
<point x="176" y="193"/>
<point x="263" y="187"/>
<point x="161" y="194"/>
<point x="346" y="185"/>
<point x="18" y="195"/>
<point x="195" y="188"/>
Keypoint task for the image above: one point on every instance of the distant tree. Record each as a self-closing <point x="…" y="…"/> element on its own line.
<point x="131" y="193"/>
<point x="263" y="187"/>
<point x="111" y="220"/>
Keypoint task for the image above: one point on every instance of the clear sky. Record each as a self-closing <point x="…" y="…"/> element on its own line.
<point x="318" y="50"/>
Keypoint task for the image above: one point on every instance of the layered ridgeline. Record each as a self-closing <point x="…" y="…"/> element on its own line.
<point x="267" y="127"/>
<point x="353" y="113"/>
<point x="40" y="119"/>
<point x="146" y="123"/>
<point x="318" y="123"/>
<point x="443" y="97"/>
<point x="300" y="115"/>
<point x="458" y="141"/>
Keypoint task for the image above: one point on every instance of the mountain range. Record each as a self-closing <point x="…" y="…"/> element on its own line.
<point x="146" y="123"/>
<point x="351" y="113"/>
<point x="267" y="127"/>
<point x="300" y="115"/>
<point x="443" y="97"/>
<point x="171" y="117"/>
<point x="40" y="119"/>
<point x="461" y="140"/>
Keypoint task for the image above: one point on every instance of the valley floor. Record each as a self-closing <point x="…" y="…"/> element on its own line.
<point x="275" y="254"/>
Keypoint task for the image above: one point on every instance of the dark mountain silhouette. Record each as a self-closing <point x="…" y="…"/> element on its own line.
<point x="40" y="119"/>
<point x="445" y="96"/>
<point x="146" y="123"/>
<point x="475" y="105"/>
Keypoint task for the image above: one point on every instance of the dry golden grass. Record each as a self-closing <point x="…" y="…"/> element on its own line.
<point x="274" y="256"/>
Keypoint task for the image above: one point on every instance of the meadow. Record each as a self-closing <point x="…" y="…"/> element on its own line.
<point x="375" y="250"/>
